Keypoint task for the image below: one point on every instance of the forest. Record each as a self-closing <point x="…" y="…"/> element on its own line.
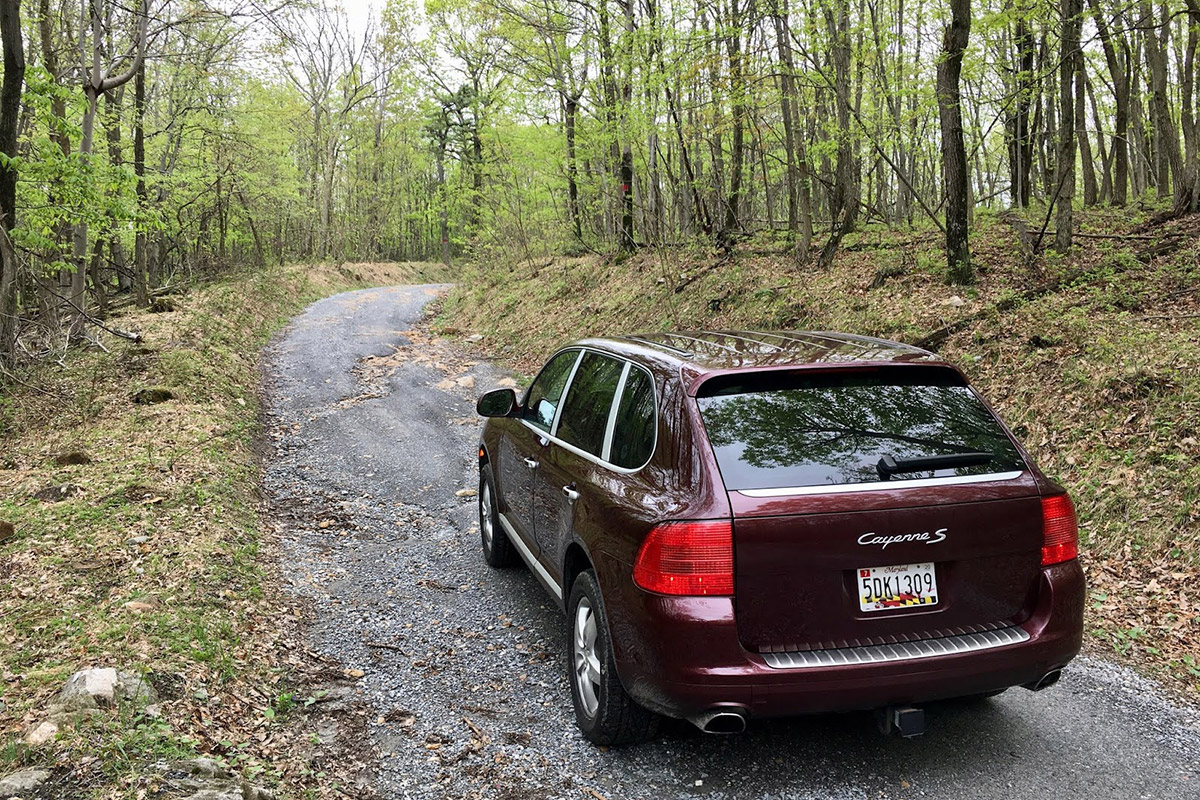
<point x="146" y="143"/>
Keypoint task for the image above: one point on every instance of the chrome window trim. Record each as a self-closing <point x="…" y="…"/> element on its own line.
<point x="899" y="651"/>
<point x="880" y="486"/>
<point x="527" y="554"/>
<point x="551" y="437"/>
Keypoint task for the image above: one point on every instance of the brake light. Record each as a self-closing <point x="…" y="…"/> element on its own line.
<point x="687" y="558"/>
<point x="1060" y="534"/>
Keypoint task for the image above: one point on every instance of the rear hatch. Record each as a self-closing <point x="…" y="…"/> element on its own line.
<point x="871" y="505"/>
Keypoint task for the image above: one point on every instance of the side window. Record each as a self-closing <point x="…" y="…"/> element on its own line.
<point x="589" y="400"/>
<point x="545" y="392"/>
<point x="634" y="433"/>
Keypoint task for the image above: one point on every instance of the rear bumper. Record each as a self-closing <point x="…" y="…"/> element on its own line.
<point x="682" y="657"/>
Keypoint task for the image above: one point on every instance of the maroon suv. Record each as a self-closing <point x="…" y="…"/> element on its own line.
<point x="748" y="524"/>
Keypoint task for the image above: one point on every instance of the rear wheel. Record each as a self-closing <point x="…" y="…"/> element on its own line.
<point x="498" y="551"/>
<point x="604" y="711"/>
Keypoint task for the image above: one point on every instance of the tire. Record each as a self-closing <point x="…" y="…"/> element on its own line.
<point x="605" y="713"/>
<point x="498" y="551"/>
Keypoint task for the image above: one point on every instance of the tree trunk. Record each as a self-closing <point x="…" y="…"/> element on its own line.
<point x="571" y="113"/>
<point x="1090" y="189"/>
<point x="140" y="288"/>
<point x="10" y="103"/>
<point x="1064" y="196"/>
<point x="799" y="194"/>
<point x="1160" y="109"/>
<point x="954" y="153"/>
<point x="1020" y="147"/>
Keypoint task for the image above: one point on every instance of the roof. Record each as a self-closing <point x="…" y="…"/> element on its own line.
<point x="700" y="355"/>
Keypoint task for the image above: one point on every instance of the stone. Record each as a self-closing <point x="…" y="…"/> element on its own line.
<point x="224" y="790"/>
<point x="26" y="780"/>
<point x="200" y="768"/>
<point x="152" y="711"/>
<point x="101" y="687"/>
<point x="152" y="395"/>
<point x="57" y="493"/>
<point x="7" y="531"/>
<point x="40" y="735"/>
<point x="74" y="458"/>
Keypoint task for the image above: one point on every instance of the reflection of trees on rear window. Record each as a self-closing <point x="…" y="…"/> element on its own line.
<point x="825" y="430"/>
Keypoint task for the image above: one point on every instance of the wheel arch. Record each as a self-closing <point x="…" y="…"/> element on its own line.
<point x="575" y="561"/>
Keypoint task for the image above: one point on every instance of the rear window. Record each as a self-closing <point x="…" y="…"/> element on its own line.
<point x="772" y="431"/>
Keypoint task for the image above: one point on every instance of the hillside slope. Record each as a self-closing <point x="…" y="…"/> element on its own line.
<point x="1093" y="359"/>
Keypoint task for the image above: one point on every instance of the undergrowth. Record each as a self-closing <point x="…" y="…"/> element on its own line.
<point x="137" y="540"/>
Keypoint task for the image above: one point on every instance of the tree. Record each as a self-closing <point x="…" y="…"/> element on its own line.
<point x="954" y="153"/>
<point x="10" y="102"/>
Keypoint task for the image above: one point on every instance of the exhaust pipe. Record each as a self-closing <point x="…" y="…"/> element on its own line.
<point x="721" y="720"/>
<point x="1044" y="682"/>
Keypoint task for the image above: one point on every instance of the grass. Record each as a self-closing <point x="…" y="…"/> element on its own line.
<point x="1099" y="376"/>
<point x="156" y="561"/>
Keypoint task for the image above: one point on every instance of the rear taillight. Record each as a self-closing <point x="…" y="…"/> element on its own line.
<point x="687" y="558"/>
<point x="1060" y="535"/>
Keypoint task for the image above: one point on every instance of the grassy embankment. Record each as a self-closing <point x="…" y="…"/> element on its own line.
<point x="1099" y="374"/>
<point x="155" y="560"/>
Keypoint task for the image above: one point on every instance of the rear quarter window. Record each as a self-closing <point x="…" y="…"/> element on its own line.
<point x="772" y="431"/>
<point x="636" y="424"/>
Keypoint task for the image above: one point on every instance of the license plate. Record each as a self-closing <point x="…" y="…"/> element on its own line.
<point x="900" y="586"/>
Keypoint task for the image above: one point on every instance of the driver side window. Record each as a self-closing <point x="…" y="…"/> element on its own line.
<point x="545" y="393"/>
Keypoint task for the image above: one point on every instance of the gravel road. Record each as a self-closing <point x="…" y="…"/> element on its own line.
<point x="372" y="429"/>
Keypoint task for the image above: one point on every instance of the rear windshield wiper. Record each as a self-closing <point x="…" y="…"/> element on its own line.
<point x="889" y="466"/>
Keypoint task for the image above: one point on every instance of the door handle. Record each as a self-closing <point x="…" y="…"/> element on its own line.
<point x="531" y="463"/>
<point x="571" y="494"/>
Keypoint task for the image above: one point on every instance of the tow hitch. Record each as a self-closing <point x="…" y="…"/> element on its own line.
<point x="904" y="720"/>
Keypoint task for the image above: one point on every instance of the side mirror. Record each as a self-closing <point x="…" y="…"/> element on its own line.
<point x="497" y="403"/>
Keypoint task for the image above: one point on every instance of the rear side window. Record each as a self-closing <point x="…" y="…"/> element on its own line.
<point x="546" y="390"/>
<point x="833" y="428"/>
<point x="589" y="401"/>
<point x="634" y="432"/>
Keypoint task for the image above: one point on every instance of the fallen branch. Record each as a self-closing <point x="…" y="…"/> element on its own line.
<point x="1133" y="236"/>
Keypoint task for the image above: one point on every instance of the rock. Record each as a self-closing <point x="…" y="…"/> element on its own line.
<point x="7" y="531"/>
<point x="507" y="383"/>
<point x="22" y="781"/>
<point x="72" y="459"/>
<point x="466" y="493"/>
<point x="475" y="337"/>
<point x="200" y="768"/>
<point x="101" y="687"/>
<point x="466" y="381"/>
<point x="153" y="711"/>
<point x="955" y="301"/>
<point x="205" y="779"/>
<point x="137" y="540"/>
<point x="58" y="493"/>
<point x="138" y="607"/>
<point x="152" y="395"/>
<point x="39" y="736"/>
